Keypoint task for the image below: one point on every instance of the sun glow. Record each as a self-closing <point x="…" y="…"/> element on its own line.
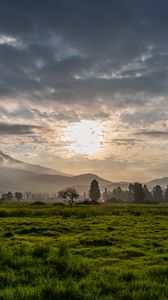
<point x="84" y="138"/>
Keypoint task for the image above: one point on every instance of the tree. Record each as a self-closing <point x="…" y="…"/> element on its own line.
<point x="137" y="192"/>
<point x="18" y="196"/>
<point x="157" y="194"/>
<point x="147" y="194"/>
<point x="70" y="194"/>
<point x="94" y="192"/>
<point x="4" y="197"/>
<point x="9" y="196"/>
<point x="166" y="194"/>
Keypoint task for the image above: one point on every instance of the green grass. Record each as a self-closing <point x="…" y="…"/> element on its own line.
<point x="83" y="253"/>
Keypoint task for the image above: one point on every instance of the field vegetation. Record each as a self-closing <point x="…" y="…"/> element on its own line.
<point x="83" y="252"/>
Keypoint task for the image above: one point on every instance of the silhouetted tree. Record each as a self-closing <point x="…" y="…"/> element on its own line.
<point x="94" y="192"/>
<point x="9" y="196"/>
<point x="137" y="192"/>
<point x="18" y="196"/>
<point x="117" y="196"/>
<point x="4" y="197"/>
<point x="157" y="194"/>
<point x="166" y="194"/>
<point x="147" y="194"/>
<point x="70" y="194"/>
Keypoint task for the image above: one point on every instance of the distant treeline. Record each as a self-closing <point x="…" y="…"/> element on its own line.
<point x="136" y="193"/>
<point x="18" y="196"/>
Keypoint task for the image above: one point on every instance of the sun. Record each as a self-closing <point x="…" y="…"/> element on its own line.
<point x="84" y="137"/>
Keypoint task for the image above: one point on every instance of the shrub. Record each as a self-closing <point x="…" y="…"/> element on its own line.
<point x="38" y="203"/>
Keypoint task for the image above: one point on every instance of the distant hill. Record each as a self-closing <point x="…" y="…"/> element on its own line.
<point x="18" y="175"/>
<point x="123" y="184"/>
<point x="56" y="182"/>
<point x="163" y="182"/>
<point x="16" y="179"/>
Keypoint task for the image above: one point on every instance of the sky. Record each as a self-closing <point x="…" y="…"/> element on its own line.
<point x="84" y="85"/>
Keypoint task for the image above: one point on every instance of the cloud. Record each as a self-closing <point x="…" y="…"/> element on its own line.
<point x="4" y="39"/>
<point x="76" y="53"/>
<point x="65" y="61"/>
<point x="128" y="141"/>
<point x="17" y="129"/>
<point x="154" y="133"/>
<point x="146" y="115"/>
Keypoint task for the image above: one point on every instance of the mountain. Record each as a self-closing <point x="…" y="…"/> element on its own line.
<point x="163" y="182"/>
<point x="16" y="179"/>
<point x="17" y="175"/>
<point x="122" y="184"/>
<point x="9" y="162"/>
<point x="56" y="182"/>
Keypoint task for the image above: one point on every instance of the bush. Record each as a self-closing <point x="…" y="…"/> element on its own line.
<point x="38" y="203"/>
<point x="59" y="204"/>
<point x="87" y="202"/>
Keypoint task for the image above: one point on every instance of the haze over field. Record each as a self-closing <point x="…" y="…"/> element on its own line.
<point x="84" y="87"/>
<point x="18" y="175"/>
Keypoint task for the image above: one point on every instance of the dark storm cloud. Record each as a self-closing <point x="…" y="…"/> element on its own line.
<point x="75" y="51"/>
<point x="16" y="129"/>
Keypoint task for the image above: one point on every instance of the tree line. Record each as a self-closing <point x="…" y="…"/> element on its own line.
<point x="10" y="196"/>
<point x="136" y="193"/>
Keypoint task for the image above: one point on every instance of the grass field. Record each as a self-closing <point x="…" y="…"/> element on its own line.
<point x="87" y="252"/>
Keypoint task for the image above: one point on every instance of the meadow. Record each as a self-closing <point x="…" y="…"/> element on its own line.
<point x="83" y="253"/>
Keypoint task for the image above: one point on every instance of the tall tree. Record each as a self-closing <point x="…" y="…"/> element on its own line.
<point x="137" y="191"/>
<point x="147" y="194"/>
<point x="94" y="192"/>
<point x="157" y="194"/>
